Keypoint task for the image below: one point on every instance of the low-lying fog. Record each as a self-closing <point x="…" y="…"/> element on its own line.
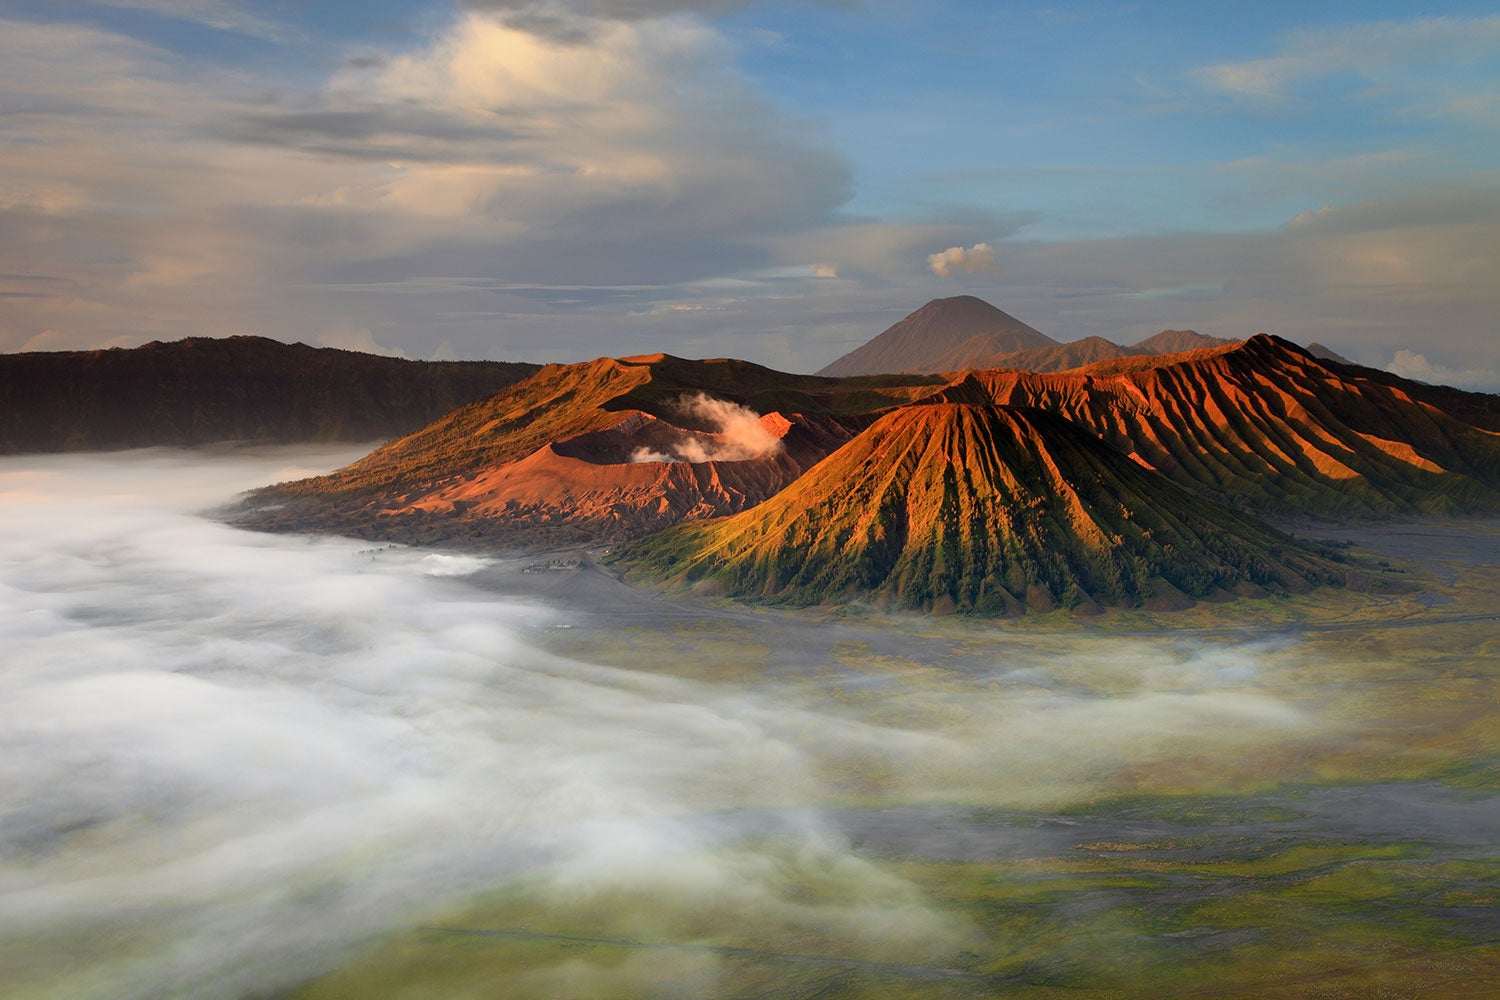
<point x="227" y="758"/>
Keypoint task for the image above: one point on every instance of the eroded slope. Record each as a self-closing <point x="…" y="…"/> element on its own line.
<point x="986" y="509"/>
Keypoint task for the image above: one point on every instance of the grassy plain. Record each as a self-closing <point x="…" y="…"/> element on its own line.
<point x="1279" y="798"/>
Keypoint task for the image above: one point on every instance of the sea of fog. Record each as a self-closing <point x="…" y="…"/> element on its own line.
<point x="227" y="759"/>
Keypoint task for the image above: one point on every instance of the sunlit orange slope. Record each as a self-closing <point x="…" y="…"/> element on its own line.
<point x="1267" y="426"/>
<point x="986" y="509"/>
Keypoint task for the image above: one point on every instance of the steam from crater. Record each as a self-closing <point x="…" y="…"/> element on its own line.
<point x="740" y="434"/>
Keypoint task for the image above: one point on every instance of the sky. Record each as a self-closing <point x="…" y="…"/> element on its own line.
<point x="773" y="181"/>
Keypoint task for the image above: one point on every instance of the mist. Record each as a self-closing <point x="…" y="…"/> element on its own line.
<point x="227" y="759"/>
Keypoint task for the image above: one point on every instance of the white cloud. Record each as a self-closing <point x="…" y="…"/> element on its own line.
<point x="174" y="200"/>
<point x="1378" y="51"/>
<point x="732" y="433"/>
<point x="225" y="15"/>
<point x="350" y="338"/>
<point x="562" y="11"/>
<point x="880" y="251"/>
<point x="453" y="190"/>
<point x="977" y="259"/>
<point x="1409" y="364"/>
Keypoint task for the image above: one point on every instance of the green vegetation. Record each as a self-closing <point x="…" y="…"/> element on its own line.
<point x="1171" y="863"/>
<point x="1334" y="918"/>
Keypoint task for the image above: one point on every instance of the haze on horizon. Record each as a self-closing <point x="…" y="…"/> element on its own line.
<point x="563" y="179"/>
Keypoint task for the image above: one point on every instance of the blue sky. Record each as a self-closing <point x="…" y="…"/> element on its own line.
<point x="559" y="180"/>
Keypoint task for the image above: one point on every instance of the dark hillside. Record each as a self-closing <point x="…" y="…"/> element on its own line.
<point x="202" y="390"/>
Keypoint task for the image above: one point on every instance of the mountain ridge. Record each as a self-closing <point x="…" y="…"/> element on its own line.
<point x="983" y="509"/>
<point x="717" y="473"/>
<point x="1266" y="426"/>
<point x="202" y="390"/>
<point x="965" y="332"/>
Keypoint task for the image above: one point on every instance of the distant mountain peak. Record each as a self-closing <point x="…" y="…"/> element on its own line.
<point x="1318" y="350"/>
<point x="928" y="339"/>
<point x="1177" y="342"/>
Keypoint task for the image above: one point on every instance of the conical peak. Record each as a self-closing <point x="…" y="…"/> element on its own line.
<point x="939" y="433"/>
<point x="960" y="302"/>
<point x="925" y="340"/>
<point x="967" y="309"/>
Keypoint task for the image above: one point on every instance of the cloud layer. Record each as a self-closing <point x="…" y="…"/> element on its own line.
<point x="231" y="758"/>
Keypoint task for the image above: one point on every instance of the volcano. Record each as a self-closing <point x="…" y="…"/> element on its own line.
<point x="984" y="509"/>
<point x="943" y="335"/>
<point x="1266" y="426"/>
<point x="1134" y="480"/>
<point x="594" y="452"/>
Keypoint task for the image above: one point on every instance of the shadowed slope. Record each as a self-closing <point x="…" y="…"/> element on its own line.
<point x="1267" y="426"/>
<point x="202" y="390"/>
<point x="943" y="335"/>
<point x="985" y="509"/>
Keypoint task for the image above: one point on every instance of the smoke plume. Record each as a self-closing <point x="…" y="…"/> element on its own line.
<point x="739" y="434"/>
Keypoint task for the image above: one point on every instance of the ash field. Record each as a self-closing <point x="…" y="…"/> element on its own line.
<point x="244" y="765"/>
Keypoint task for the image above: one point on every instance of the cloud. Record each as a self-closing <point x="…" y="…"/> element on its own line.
<point x="562" y="11"/>
<point x="1180" y="293"/>
<point x="978" y="259"/>
<point x="530" y="194"/>
<point x="352" y="339"/>
<point x="177" y="202"/>
<point x="1378" y="52"/>
<point x="1409" y="364"/>
<point x="224" y="15"/>
<point x="1372" y="278"/>
<point x="231" y="759"/>
<point x="881" y="252"/>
